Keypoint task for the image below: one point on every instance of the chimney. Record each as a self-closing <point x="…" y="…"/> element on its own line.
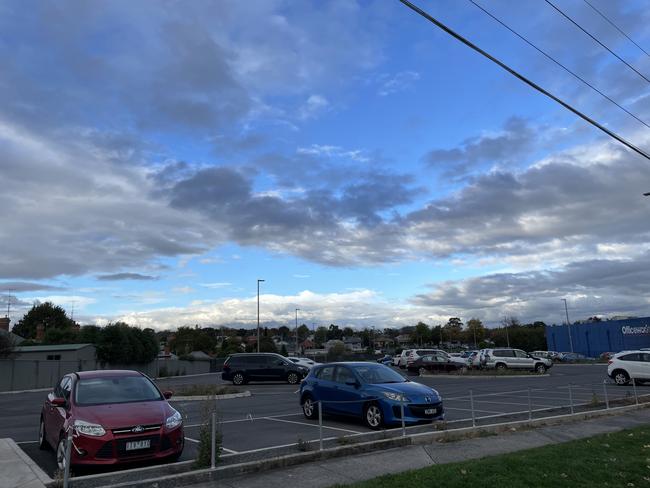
<point x="40" y="332"/>
<point x="4" y="324"/>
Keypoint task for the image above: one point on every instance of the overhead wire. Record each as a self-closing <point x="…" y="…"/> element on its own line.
<point x="615" y="26"/>
<point x="597" y="40"/>
<point x="524" y="79"/>
<point x="551" y="58"/>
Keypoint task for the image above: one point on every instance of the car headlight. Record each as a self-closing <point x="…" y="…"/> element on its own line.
<point x="87" y="428"/>
<point x="398" y="397"/>
<point x="174" y="420"/>
<point x="435" y="392"/>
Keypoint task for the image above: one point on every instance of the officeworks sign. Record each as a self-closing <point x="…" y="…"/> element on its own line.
<point x="629" y="330"/>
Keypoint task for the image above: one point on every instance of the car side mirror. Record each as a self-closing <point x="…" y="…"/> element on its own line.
<point x="168" y="394"/>
<point x="352" y="383"/>
<point x="58" y="402"/>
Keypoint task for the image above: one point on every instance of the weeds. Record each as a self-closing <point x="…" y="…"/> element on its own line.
<point x="303" y="445"/>
<point x="203" y="457"/>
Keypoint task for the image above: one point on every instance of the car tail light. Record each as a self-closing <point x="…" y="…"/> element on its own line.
<point x="609" y="362"/>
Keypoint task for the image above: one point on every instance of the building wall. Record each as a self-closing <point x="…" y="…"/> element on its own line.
<point x="594" y="338"/>
<point x="84" y="354"/>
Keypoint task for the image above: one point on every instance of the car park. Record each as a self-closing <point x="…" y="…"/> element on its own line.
<point x="627" y="365"/>
<point x="115" y="416"/>
<point x="370" y="391"/>
<point x="507" y="358"/>
<point x="435" y="363"/>
<point x="244" y="367"/>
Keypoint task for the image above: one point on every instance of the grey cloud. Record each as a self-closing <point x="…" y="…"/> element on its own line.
<point x="126" y="276"/>
<point x="516" y="139"/>
<point x="593" y="287"/>
<point x="22" y="286"/>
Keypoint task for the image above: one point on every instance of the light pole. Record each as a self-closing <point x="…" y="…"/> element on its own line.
<point x="568" y="323"/>
<point x="296" y="348"/>
<point x="258" y="314"/>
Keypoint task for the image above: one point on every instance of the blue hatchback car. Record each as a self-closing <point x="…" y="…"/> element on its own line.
<point x="370" y="391"/>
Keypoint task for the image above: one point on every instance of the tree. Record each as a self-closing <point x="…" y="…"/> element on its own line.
<point x="336" y="352"/>
<point x="284" y="331"/>
<point x="61" y="336"/>
<point x="422" y="333"/>
<point x="347" y="332"/>
<point x="334" y="332"/>
<point x="120" y="344"/>
<point x="453" y="329"/>
<point x="303" y="332"/>
<point x="48" y="314"/>
<point x="89" y="334"/>
<point x="267" y="345"/>
<point x="320" y="336"/>
<point x="475" y="332"/>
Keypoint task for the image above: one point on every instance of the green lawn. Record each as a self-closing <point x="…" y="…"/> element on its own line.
<point x="618" y="460"/>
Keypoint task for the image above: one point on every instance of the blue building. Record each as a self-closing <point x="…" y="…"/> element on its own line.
<point x="594" y="338"/>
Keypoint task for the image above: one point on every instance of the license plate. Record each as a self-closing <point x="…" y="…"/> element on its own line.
<point x="430" y="411"/>
<point x="134" y="445"/>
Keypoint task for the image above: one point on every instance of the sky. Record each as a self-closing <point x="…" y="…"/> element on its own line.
<point x="157" y="158"/>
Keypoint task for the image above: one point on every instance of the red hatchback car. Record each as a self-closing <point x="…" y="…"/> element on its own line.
<point x="115" y="416"/>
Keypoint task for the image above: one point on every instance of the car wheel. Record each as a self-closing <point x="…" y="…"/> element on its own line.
<point x="621" y="378"/>
<point x="60" y="454"/>
<point x="422" y="371"/>
<point x="501" y="367"/>
<point x="238" y="379"/>
<point x="310" y="408"/>
<point x="292" y="378"/>
<point x="540" y="369"/>
<point x="42" y="440"/>
<point x="372" y="416"/>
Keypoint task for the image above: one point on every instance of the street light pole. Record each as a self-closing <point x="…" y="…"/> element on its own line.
<point x="568" y="323"/>
<point x="258" y="314"/>
<point x="296" y="348"/>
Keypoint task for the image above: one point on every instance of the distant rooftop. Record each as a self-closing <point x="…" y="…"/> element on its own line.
<point x="53" y="347"/>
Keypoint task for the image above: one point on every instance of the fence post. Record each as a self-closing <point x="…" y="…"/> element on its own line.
<point x="530" y="406"/>
<point x="68" y="452"/>
<point x="213" y="441"/>
<point x="320" y="425"/>
<point x="605" y="392"/>
<point x="636" y="398"/>
<point x="471" y="402"/>
<point x="571" y="398"/>
<point x="401" y="408"/>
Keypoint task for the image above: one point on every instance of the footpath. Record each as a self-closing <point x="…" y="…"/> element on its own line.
<point x="361" y="467"/>
<point x="17" y="470"/>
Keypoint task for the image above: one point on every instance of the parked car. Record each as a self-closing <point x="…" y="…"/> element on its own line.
<point x="396" y="359"/>
<point x="628" y="365"/>
<point x="543" y="354"/>
<point x="504" y="358"/>
<point x="403" y="358"/>
<point x="387" y="360"/>
<point x="306" y="362"/>
<point x="435" y="363"/>
<point x="116" y="417"/>
<point x="245" y="367"/>
<point x="572" y="357"/>
<point x="370" y="391"/>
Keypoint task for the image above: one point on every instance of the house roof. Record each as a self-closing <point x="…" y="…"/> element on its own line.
<point x="14" y="337"/>
<point x="52" y="348"/>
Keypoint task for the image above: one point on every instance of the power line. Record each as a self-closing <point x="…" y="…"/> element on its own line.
<point x="521" y="77"/>
<point x="598" y="41"/>
<point x="548" y="56"/>
<point x="616" y="27"/>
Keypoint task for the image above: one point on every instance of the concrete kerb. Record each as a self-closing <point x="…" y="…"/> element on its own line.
<point x="226" y="396"/>
<point x="233" y="470"/>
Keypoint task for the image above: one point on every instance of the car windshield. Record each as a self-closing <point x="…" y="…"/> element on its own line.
<point x="376" y="373"/>
<point x="115" y="389"/>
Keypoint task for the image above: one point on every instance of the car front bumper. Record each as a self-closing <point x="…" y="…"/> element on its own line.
<point x="413" y="412"/>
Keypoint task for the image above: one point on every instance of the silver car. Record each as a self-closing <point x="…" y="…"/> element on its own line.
<point x="507" y="358"/>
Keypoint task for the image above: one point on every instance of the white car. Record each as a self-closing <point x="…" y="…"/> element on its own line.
<point x="403" y="358"/>
<point x="306" y="362"/>
<point x="628" y="365"/>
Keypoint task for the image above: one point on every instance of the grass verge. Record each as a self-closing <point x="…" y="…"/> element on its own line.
<point x="619" y="460"/>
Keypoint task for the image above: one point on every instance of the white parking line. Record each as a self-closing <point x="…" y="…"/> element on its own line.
<point x="312" y="425"/>
<point x="191" y="440"/>
<point x="249" y="419"/>
<point x="230" y="451"/>
<point x="476" y="410"/>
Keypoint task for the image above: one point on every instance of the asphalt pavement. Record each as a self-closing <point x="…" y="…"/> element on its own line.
<point x="271" y="417"/>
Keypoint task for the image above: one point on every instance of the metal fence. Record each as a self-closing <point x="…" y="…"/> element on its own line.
<point x="27" y="374"/>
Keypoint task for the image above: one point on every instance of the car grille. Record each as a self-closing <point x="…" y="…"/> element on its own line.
<point x="106" y="451"/>
<point x="418" y="410"/>
<point x="129" y="430"/>
<point x="123" y="453"/>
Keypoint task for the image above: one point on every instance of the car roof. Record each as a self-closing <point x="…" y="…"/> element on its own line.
<point x="105" y="373"/>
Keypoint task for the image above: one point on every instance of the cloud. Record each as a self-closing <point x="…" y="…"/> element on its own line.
<point x="334" y="152"/>
<point x="510" y="145"/>
<point x="24" y="286"/>
<point x="313" y="107"/>
<point x="399" y="82"/>
<point x="126" y="276"/>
